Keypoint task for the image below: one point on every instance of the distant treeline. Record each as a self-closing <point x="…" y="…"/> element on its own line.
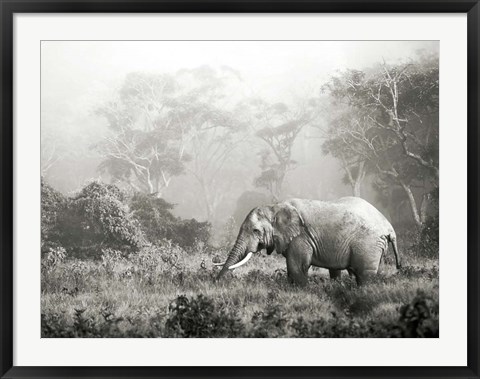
<point x="101" y="216"/>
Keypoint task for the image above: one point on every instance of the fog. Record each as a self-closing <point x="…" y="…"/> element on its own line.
<point x="80" y="78"/>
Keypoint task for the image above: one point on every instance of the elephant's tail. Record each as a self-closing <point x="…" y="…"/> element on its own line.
<point x="393" y="240"/>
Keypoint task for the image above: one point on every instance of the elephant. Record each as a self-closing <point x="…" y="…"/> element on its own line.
<point x="345" y="234"/>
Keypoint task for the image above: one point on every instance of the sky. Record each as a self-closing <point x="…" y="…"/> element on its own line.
<point x="81" y="72"/>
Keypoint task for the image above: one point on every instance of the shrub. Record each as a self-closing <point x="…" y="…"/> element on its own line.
<point x="191" y="233"/>
<point x="55" y="326"/>
<point x="158" y="223"/>
<point x="343" y="328"/>
<point x="110" y="260"/>
<point x="153" y="213"/>
<point x="53" y="258"/>
<point x="200" y="318"/>
<point x="53" y="204"/>
<point x="269" y="324"/>
<point x="97" y="217"/>
<point x="419" y="318"/>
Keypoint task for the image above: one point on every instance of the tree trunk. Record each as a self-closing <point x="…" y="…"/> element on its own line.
<point x="413" y="204"/>
<point x="356" y="182"/>
<point x="356" y="188"/>
<point x="424" y="207"/>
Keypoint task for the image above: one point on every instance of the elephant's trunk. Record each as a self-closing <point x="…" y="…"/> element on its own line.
<point x="237" y="253"/>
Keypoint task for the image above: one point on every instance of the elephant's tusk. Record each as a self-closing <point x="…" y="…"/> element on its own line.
<point x="219" y="264"/>
<point x="242" y="262"/>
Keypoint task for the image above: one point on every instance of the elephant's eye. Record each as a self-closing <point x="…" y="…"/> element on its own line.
<point x="257" y="231"/>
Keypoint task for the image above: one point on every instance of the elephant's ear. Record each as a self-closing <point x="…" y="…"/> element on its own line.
<point x="287" y="224"/>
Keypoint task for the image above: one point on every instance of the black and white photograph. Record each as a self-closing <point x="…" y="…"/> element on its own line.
<point x="239" y="189"/>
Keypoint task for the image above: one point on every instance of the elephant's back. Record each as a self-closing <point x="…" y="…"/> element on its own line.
<point x="345" y="211"/>
<point x="365" y="211"/>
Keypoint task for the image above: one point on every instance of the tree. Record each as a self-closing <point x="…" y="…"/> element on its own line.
<point x="216" y="130"/>
<point x="149" y="121"/>
<point x="346" y="139"/>
<point x="392" y="125"/>
<point x="167" y="124"/>
<point x="278" y="126"/>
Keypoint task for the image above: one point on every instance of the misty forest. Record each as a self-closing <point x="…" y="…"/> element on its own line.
<point x="154" y="153"/>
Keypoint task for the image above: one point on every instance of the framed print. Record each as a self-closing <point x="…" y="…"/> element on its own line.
<point x="239" y="189"/>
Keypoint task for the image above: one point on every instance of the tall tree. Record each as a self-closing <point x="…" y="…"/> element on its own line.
<point x="346" y="138"/>
<point x="149" y="121"/>
<point x="217" y="129"/>
<point x="393" y="126"/>
<point x="278" y="126"/>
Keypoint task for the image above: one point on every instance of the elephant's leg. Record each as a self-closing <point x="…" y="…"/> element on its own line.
<point x="335" y="274"/>
<point x="365" y="259"/>
<point x="365" y="276"/>
<point x="299" y="259"/>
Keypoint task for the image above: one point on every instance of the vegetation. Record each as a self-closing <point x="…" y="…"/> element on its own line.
<point x="158" y="223"/>
<point x="164" y="291"/>
<point x="102" y="216"/>
<point x="386" y="126"/>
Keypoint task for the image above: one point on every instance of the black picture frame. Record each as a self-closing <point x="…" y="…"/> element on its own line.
<point x="10" y="8"/>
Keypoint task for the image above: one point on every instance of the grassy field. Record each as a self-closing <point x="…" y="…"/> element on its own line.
<point x="165" y="292"/>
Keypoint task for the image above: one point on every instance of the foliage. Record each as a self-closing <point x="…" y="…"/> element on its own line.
<point x="272" y="323"/>
<point x="420" y="317"/>
<point x="53" y="258"/>
<point x="54" y="326"/>
<point x="95" y="218"/>
<point x="200" y="318"/>
<point x="158" y="223"/>
<point x="53" y="204"/>
<point x="154" y="215"/>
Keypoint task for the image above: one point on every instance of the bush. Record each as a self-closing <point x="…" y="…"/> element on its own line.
<point x="419" y="318"/>
<point x="200" y="318"/>
<point x="96" y="218"/>
<point x="53" y="258"/>
<point x="53" y="205"/>
<point x="158" y="223"/>
<point x="344" y="328"/>
<point x="54" y="326"/>
<point x="191" y="233"/>
<point x="269" y="324"/>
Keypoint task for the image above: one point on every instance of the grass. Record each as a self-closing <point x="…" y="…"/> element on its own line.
<point x="165" y="292"/>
